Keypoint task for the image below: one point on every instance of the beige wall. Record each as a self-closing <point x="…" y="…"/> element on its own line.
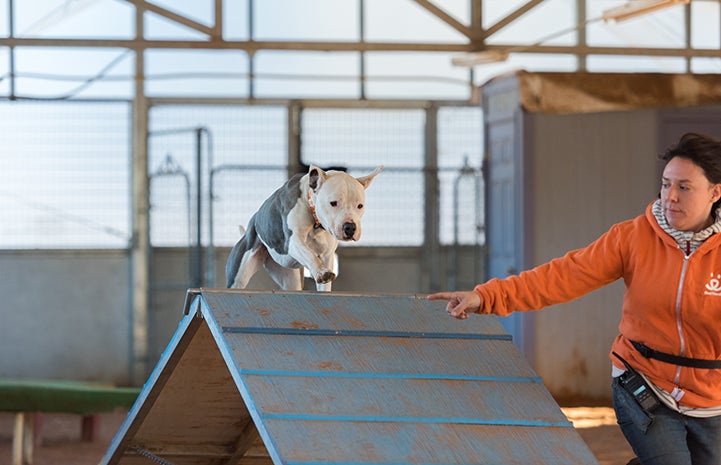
<point x="65" y="315"/>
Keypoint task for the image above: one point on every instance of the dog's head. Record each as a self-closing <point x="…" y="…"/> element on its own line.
<point x="338" y="199"/>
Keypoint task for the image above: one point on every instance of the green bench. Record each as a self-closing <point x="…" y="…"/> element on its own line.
<point x="29" y="399"/>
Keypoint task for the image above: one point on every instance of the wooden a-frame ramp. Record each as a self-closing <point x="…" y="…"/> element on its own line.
<point x="303" y="378"/>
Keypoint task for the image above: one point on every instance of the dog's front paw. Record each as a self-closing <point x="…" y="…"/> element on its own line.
<point x="325" y="277"/>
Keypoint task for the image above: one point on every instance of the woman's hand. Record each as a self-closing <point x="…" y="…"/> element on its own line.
<point x="459" y="303"/>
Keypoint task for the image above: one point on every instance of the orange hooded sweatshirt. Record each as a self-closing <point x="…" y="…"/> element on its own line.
<point x="672" y="301"/>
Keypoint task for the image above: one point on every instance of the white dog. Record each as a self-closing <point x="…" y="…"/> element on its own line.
<point x="300" y="225"/>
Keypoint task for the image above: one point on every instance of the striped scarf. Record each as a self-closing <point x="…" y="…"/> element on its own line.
<point x="686" y="240"/>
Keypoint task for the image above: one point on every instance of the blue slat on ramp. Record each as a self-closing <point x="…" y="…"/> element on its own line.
<point x="304" y="378"/>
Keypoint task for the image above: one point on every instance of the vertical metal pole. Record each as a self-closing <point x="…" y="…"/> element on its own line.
<point x="251" y="54"/>
<point x="294" y="138"/>
<point x="477" y="38"/>
<point x="197" y="280"/>
<point x="362" y="57"/>
<point x="431" y="250"/>
<point x="687" y="25"/>
<point x="140" y="244"/>
<point x="478" y="256"/>
<point x="210" y="259"/>
<point x="11" y="26"/>
<point x="466" y="171"/>
<point x="452" y="281"/>
<point x="581" y="33"/>
<point x="294" y="127"/>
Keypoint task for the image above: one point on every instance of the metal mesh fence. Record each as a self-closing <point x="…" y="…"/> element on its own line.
<point x="460" y="148"/>
<point x="64" y="175"/>
<point x="241" y="155"/>
<point x="65" y="171"/>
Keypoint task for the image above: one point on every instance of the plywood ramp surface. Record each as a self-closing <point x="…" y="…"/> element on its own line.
<point x="307" y="378"/>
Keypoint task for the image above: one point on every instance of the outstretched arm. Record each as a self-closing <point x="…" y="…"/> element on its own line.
<point x="562" y="279"/>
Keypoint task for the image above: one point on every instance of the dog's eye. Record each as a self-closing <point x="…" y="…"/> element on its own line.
<point x="360" y="206"/>
<point x="334" y="203"/>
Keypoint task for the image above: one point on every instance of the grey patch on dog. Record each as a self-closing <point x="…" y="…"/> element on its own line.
<point x="262" y="224"/>
<point x="275" y="234"/>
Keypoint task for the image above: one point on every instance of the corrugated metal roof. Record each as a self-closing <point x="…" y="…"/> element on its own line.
<point x="310" y="378"/>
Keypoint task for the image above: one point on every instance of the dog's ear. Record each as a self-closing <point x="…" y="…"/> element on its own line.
<point x="366" y="180"/>
<point x="316" y="177"/>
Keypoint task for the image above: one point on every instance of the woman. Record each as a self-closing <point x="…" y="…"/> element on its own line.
<point x="669" y="344"/>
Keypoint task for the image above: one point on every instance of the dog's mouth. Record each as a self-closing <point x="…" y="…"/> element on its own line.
<point x="346" y="238"/>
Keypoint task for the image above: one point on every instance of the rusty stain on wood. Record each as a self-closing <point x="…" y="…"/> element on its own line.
<point x="303" y="325"/>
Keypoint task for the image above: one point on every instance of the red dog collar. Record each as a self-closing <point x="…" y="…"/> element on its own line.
<point x="312" y="210"/>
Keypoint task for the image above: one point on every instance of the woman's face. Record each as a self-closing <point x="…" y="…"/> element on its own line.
<point x="687" y="195"/>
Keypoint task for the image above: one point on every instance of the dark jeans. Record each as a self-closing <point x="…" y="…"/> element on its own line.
<point x="666" y="437"/>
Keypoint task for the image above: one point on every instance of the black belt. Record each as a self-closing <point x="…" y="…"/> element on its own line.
<point x="675" y="359"/>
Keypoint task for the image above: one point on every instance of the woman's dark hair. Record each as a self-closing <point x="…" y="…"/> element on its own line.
<point x="704" y="152"/>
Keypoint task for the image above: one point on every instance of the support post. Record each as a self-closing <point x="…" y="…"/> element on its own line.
<point x="431" y="249"/>
<point x="140" y="243"/>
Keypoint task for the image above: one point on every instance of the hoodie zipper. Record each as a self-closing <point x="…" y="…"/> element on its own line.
<point x="679" y="293"/>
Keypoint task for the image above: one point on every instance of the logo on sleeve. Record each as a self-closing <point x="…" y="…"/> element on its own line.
<point x="713" y="287"/>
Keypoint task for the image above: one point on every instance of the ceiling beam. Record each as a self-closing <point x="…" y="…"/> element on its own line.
<point x="514" y="15"/>
<point x="446" y="18"/>
<point x="250" y="46"/>
<point x="254" y="46"/>
<point x="175" y="17"/>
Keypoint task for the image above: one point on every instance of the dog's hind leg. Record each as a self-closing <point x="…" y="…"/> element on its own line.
<point x="250" y="263"/>
<point x="289" y="279"/>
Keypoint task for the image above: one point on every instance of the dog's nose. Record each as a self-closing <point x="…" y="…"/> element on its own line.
<point x="349" y="229"/>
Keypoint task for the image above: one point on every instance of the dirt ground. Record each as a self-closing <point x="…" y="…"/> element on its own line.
<point x="60" y="441"/>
